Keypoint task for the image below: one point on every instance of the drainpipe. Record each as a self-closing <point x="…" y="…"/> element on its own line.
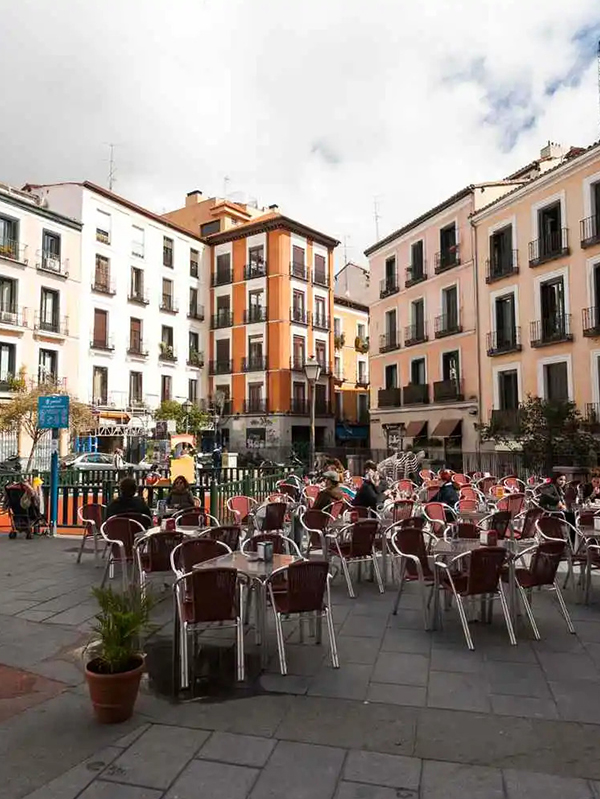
<point x="477" y="324"/>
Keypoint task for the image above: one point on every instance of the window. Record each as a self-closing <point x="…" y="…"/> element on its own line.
<point x="194" y="309"/>
<point x="321" y="398"/>
<point x="167" y="295"/>
<point x="223" y="268"/>
<point x="256" y="437"/>
<point x="390" y="270"/>
<point x="135" y="388"/>
<point x="137" y="283"/>
<point x="337" y="367"/>
<point x="208" y="228"/>
<point x="552" y="305"/>
<point x="49" y="310"/>
<point x="193" y="346"/>
<point x="193" y="390"/>
<point x="451" y="365"/>
<point x="362" y="372"/>
<point x="255" y="391"/>
<point x="9" y="237"/>
<point x="135" y="335"/>
<point x="450" y="308"/>
<point x="8" y="295"/>
<point x="391" y="376"/>
<point x="361" y="331"/>
<point x="391" y="332"/>
<point x="298" y="256"/>
<point x="320" y="315"/>
<point x="7" y="362"/>
<point x="48" y="366"/>
<point x="194" y="261"/>
<point x="448" y="245"/>
<point x="103" y="226"/>
<point x="137" y="241"/>
<point x="51" y="250"/>
<point x="165" y="387"/>
<point x="166" y="335"/>
<point x="256" y="255"/>
<point x="339" y="405"/>
<point x="416" y="260"/>
<point x="255" y="350"/>
<point x="363" y="407"/>
<point x="417" y="311"/>
<point x="417" y="372"/>
<point x="223" y="351"/>
<point x="549" y="229"/>
<point x="501" y="255"/>
<point x="102" y="273"/>
<point x="556" y="382"/>
<point x="100" y="385"/>
<point x="508" y="390"/>
<point x="223" y="309"/>
<point x="337" y="326"/>
<point x="321" y="354"/>
<point x="298" y="346"/>
<point x="100" y="337"/>
<point x="505" y="321"/>
<point x="320" y="275"/>
<point x="168" y="252"/>
<point x="299" y="392"/>
<point x="298" y="308"/>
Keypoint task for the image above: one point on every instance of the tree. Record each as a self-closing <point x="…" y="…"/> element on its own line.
<point x="192" y="418"/>
<point x="20" y="413"/>
<point x="549" y="433"/>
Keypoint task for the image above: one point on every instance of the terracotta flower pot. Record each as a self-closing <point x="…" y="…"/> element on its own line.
<point x="113" y="695"/>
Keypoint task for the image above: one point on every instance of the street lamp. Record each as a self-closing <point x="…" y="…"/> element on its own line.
<point x="187" y="407"/>
<point x="312" y="370"/>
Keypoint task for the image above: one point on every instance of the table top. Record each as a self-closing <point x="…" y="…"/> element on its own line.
<point x="473" y="515"/>
<point x="255" y="569"/>
<point x="456" y="546"/>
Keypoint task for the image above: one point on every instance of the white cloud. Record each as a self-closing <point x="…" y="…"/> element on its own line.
<point x="317" y="105"/>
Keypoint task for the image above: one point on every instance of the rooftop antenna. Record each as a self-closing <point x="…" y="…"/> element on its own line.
<point x="111" y="167"/>
<point x="346" y="249"/>
<point x="226" y="181"/>
<point x="599" y="72"/>
<point x="376" y="216"/>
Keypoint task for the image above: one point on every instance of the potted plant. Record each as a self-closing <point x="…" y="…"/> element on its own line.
<point x="339" y="341"/>
<point x="114" y="671"/>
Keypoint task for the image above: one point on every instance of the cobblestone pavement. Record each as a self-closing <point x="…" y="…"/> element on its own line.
<point x="408" y="714"/>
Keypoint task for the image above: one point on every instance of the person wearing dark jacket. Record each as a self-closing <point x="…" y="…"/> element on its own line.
<point x="331" y="493"/>
<point x="180" y="496"/>
<point x="369" y="495"/>
<point x="447" y="493"/>
<point x="129" y="502"/>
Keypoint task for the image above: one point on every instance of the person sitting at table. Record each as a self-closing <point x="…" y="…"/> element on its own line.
<point x="369" y="495"/>
<point x="590" y="492"/>
<point x="129" y="502"/>
<point x="446" y="493"/>
<point x="180" y="496"/>
<point x="331" y="493"/>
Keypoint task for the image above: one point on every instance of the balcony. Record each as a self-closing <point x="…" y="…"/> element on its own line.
<point x="498" y="268"/>
<point x="299" y="316"/>
<point x="195" y="359"/>
<point x="221" y="319"/>
<point x="415" y="394"/>
<point x="220" y="367"/>
<point x="499" y="342"/>
<point x="12" y="250"/>
<point x="415" y="334"/>
<point x="320" y="321"/>
<point x="299" y="271"/>
<point x="12" y="316"/>
<point x="447" y="325"/>
<point x="323" y="408"/>
<point x="51" y="262"/>
<point x="140" y="297"/>
<point x="196" y="312"/>
<point x="168" y="304"/>
<point x="362" y="381"/>
<point x="137" y="348"/>
<point x="320" y="278"/>
<point x="589" y="231"/>
<point x="389" y="341"/>
<point x="388" y="286"/>
<point x="361" y="344"/>
<point x="549" y="247"/>
<point x="255" y="313"/>
<point x="591" y="322"/>
<point x="447" y="391"/>
<point x="552" y="330"/>
<point x="102" y="343"/>
<point x="506" y="421"/>
<point x="255" y="406"/>
<point x="297" y="363"/>
<point x="221" y="277"/>
<point x="102" y="286"/>
<point x="255" y="363"/>
<point x="325" y="368"/>
<point x="447" y="259"/>
<point x="54" y="325"/>
<point x="255" y="269"/>
<point x="166" y="352"/>
<point x="299" y="406"/>
<point x="414" y="275"/>
<point x="389" y="398"/>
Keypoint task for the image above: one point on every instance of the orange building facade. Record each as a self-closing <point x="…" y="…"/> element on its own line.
<point x="271" y="304"/>
<point x="351" y="371"/>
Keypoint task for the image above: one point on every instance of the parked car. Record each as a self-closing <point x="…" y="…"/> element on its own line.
<point x="89" y="461"/>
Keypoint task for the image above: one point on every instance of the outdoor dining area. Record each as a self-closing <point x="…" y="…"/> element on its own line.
<point x="267" y="562"/>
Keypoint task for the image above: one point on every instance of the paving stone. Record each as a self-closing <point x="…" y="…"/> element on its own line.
<point x="70" y="784"/>
<point x="112" y="790"/>
<point x="588" y="631"/>
<point x="285" y="684"/>
<point x="392" y="771"/>
<point x="527" y="785"/>
<point x="242" y="750"/>
<point x="33" y="614"/>
<point x="358" y="790"/>
<point x="157" y="756"/>
<point x="204" y="778"/>
<point x="461" y="660"/>
<point x="577" y="701"/>
<point x="349" y="682"/>
<point x="300" y="771"/>
<point x="401" y="668"/>
<point x="354" y="649"/>
<point x="132" y="736"/>
<point x="74" y="616"/>
<point x="365" y="626"/>
<point x="525" y="706"/>
<point x="416" y="642"/>
<point x="407" y="619"/>
<point x="454" y="781"/>
<point x="61" y="670"/>
<point x="560" y="666"/>
<point x="458" y="691"/>
<point x="517" y="679"/>
<point x="523" y="653"/>
<point x="410" y="695"/>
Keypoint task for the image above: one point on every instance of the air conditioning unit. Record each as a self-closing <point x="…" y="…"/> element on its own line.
<point x="10" y="317"/>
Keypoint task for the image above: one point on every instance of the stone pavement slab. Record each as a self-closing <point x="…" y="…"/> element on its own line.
<point x="390" y="771"/>
<point x="358" y="790"/>
<point x="110" y="790"/>
<point x="527" y="785"/>
<point x="204" y="778"/>
<point x="242" y="750"/>
<point x="70" y="784"/>
<point x="452" y="781"/>
<point x="300" y="771"/>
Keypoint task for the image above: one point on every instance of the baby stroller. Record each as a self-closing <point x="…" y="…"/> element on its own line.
<point x="22" y="504"/>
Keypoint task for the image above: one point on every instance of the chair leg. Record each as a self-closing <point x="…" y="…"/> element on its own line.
<point x="346" y="571"/>
<point x="106" y="572"/>
<point x="280" y="644"/>
<point x="332" y="642"/>
<point x="425" y="601"/>
<point x="377" y="573"/>
<point x="464" y="621"/>
<point x="563" y="608"/>
<point x="319" y="628"/>
<point x="239" y="646"/>
<point x="505" y="610"/>
<point x="183" y="660"/>
<point x="523" y="594"/>
<point x="83" y="540"/>
<point x="95" y="534"/>
<point x="400" y="585"/>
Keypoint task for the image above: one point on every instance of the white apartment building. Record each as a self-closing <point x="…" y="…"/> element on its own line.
<point x="144" y="290"/>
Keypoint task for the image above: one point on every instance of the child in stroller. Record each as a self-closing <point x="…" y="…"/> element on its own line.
<point x="23" y="505"/>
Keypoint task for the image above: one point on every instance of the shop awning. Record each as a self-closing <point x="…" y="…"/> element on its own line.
<point x="347" y="432"/>
<point x="447" y="428"/>
<point x="415" y="429"/>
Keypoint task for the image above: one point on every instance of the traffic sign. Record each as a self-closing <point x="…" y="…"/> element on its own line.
<point x="53" y="411"/>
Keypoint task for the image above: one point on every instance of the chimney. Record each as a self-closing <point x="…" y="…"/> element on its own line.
<point x="193" y="197"/>
<point x="552" y="150"/>
<point x="274" y="208"/>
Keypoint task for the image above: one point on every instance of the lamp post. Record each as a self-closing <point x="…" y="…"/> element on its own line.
<point x="187" y="407"/>
<point x="312" y="370"/>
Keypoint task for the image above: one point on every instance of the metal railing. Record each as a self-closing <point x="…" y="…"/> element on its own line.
<point x="389" y="341"/>
<point x="447" y="325"/>
<point x="254" y="363"/>
<point x="169" y="304"/>
<point x="415" y="334"/>
<point x="589" y="231"/>
<point x="56" y="325"/>
<point x="501" y="341"/>
<point x="255" y="313"/>
<point x="551" y="330"/>
<point x="12" y="250"/>
<point x="320" y="321"/>
<point x="195" y="359"/>
<point x="447" y="391"/>
<point x="496" y="268"/>
<point x="549" y="246"/>
<point x="388" y="286"/>
<point x="415" y="394"/>
<point x="506" y="419"/>
<point x="196" y="312"/>
<point x="299" y="406"/>
<point x="255" y="406"/>
<point x="297" y="363"/>
<point x="389" y="397"/>
<point x="14" y="316"/>
<point x="137" y="347"/>
<point x="104" y="286"/>
<point x="414" y="275"/>
<point x="140" y="297"/>
<point x="51" y="262"/>
<point x="166" y="352"/>
<point x="102" y="343"/>
<point x="255" y="269"/>
<point x="591" y="321"/>
<point x="299" y="316"/>
<point x="221" y="319"/>
<point x="221" y="277"/>
<point x="320" y="278"/>
<point x="447" y="258"/>
<point x="298" y="271"/>
<point x="220" y="367"/>
<point x="362" y="381"/>
<point x="323" y="408"/>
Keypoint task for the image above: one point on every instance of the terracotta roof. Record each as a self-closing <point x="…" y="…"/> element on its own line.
<point x="357" y="306"/>
<point x="270" y="221"/>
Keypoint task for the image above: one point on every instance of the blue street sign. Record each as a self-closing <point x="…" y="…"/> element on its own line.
<point x="53" y="411"/>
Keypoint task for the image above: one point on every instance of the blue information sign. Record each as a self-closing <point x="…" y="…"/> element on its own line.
<point x="53" y="411"/>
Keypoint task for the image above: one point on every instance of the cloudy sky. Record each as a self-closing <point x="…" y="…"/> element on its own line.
<point x="317" y="105"/>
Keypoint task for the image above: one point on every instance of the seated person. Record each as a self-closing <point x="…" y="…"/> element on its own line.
<point x="129" y="502"/>
<point x="590" y="492"/>
<point x="447" y="493"/>
<point x="180" y="496"/>
<point x="331" y="493"/>
<point x="369" y="495"/>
